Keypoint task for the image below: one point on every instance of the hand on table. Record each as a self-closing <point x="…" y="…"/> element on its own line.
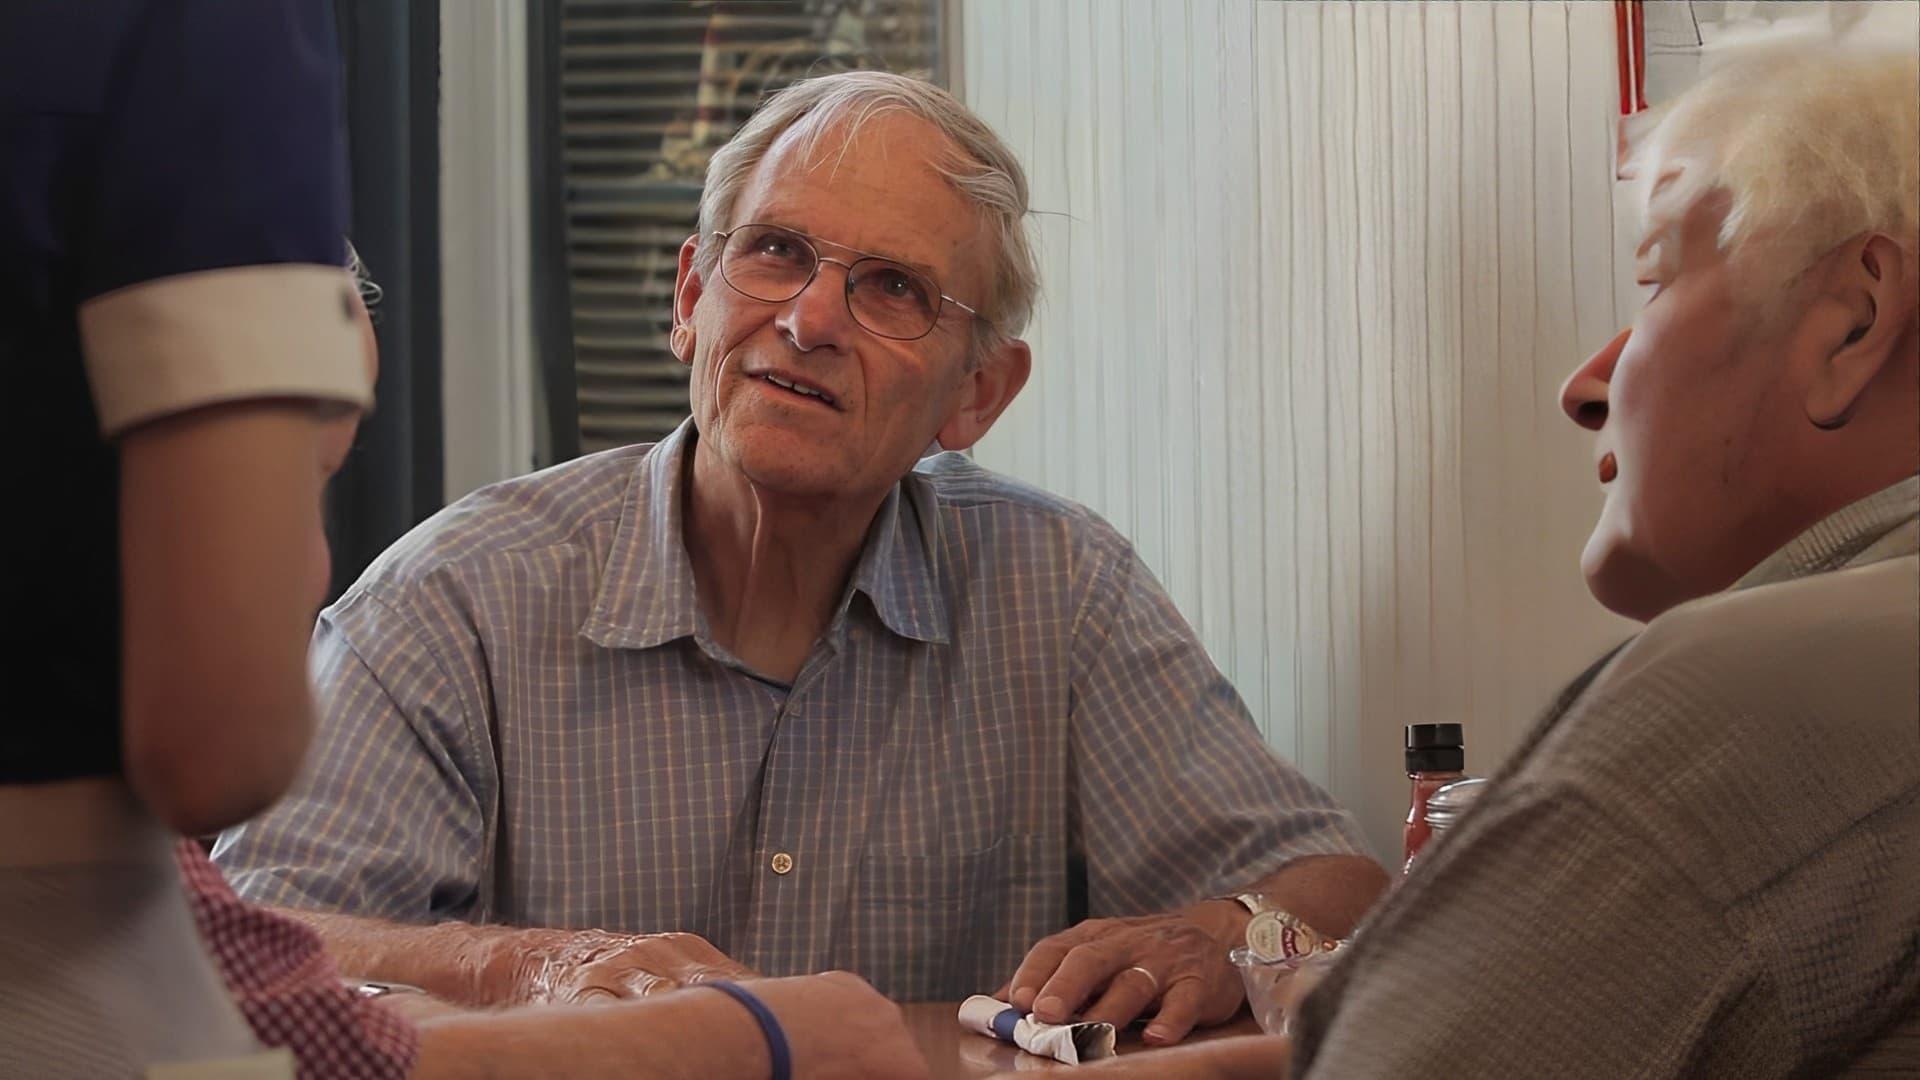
<point x="572" y="967"/>
<point x="1114" y="970"/>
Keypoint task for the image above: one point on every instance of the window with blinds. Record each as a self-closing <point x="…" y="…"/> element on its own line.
<point x="639" y="95"/>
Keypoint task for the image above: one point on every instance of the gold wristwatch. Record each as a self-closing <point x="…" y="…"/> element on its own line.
<point x="1276" y="934"/>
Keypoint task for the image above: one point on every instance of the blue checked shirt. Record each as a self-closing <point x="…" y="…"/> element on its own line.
<point x="1006" y="727"/>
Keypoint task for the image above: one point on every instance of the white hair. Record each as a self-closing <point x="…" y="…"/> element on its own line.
<point x="1811" y="130"/>
<point x="981" y="169"/>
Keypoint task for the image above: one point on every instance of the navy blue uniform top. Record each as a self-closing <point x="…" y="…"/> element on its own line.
<point x="172" y="221"/>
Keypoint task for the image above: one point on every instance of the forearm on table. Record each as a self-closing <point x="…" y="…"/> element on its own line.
<point x="691" y="1033"/>
<point x="1330" y="893"/>
<point x="418" y="1009"/>
<point x="458" y="962"/>
<point x="1248" y="1057"/>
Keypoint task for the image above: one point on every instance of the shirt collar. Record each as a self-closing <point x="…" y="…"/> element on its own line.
<point x="1883" y="525"/>
<point x="646" y="594"/>
<point x="898" y="569"/>
<point x="646" y="597"/>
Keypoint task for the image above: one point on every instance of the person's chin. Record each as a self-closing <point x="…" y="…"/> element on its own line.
<point x="1624" y="580"/>
<point x="789" y="468"/>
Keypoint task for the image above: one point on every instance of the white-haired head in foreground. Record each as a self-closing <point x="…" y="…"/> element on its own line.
<point x="1773" y="376"/>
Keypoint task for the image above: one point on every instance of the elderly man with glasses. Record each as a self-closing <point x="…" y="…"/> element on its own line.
<point x="781" y="689"/>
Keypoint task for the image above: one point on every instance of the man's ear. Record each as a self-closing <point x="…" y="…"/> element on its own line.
<point x="987" y="391"/>
<point x="1858" y="320"/>
<point x="687" y="289"/>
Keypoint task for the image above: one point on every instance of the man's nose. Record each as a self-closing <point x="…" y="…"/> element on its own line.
<point x="819" y="316"/>
<point x="1583" y="397"/>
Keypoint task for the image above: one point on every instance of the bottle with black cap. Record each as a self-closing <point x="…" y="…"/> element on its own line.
<point x="1436" y="757"/>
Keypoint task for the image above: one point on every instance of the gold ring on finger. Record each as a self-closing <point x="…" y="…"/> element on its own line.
<point x="1150" y="976"/>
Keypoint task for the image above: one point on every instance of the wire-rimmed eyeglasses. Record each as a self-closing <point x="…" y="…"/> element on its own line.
<point x="774" y="264"/>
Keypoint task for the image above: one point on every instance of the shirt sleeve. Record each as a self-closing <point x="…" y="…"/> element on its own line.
<point x="1177" y="797"/>
<point x="1544" y="939"/>
<point x="286" y="985"/>
<point x="392" y="813"/>
<point x="211" y="265"/>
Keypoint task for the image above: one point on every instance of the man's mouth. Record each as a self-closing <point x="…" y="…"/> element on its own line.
<point x="799" y="389"/>
<point x="1609" y="468"/>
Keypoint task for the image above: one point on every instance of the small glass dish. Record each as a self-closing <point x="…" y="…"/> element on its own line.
<point x="1275" y="986"/>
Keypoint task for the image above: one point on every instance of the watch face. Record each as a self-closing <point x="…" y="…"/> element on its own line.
<point x="1263" y="938"/>
<point x="1276" y="935"/>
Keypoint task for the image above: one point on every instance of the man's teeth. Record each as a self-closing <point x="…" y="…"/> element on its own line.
<point x="796" y="388"/>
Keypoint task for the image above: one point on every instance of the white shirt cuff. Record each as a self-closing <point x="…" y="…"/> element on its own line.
<point x="178" y="343"/>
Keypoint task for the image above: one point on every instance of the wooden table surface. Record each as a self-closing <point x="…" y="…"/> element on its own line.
<point x="957" y="1054"/>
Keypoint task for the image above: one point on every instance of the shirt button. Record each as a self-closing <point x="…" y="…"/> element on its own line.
<point x="782" y="862"/>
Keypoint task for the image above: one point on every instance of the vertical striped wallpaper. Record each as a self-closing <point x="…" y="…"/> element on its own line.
<point x="1313" y="273"/>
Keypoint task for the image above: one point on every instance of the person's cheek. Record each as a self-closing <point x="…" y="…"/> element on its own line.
<point x="1632" y="415"/>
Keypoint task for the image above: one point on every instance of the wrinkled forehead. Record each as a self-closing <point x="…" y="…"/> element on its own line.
<point x="874" y="184"/>
<point x="1668" y="204"/>
<point x="1670" y="183"/>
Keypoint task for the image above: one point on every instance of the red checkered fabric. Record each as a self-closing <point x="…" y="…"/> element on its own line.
<point x="286" y="985"/>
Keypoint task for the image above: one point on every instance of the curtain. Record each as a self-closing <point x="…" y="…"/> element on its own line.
<point x="392" y="480"/>
<point x="1313" y="274"/>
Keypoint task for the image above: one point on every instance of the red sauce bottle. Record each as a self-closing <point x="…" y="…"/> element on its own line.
<point x="1436" y="756"/>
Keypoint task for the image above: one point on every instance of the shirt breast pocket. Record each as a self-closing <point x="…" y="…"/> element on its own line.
<point x="939" y="927"/>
